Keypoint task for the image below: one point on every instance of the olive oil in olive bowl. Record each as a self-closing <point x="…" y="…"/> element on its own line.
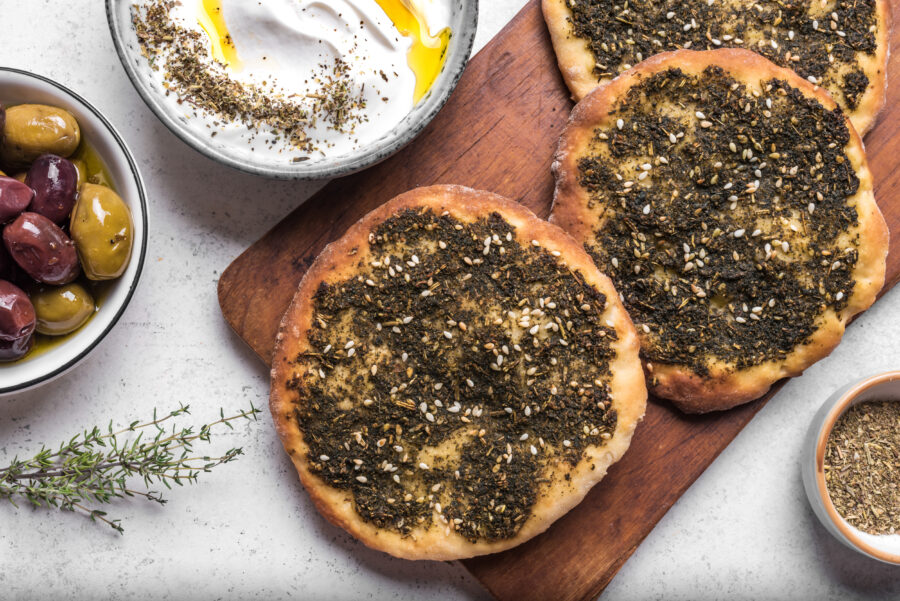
<point x="849" y="466"/>
<point x="108" y="163"/>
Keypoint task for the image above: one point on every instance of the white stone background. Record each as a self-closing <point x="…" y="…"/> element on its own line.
<point x="248" y="530"/>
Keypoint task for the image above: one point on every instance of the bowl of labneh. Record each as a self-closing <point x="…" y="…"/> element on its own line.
<point x="851" y="466"/>
<point x="294" y="89"/>
<point x="73" y="249"/>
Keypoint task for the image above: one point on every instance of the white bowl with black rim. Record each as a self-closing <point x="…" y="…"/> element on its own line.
<point x="21" y="87"/>
<point x="881" y="387"/>
<point x="463" y="24"/>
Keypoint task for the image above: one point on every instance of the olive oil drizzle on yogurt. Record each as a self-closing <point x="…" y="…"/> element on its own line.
<point x="221" y="45"/>
<point x="427" y="54"/>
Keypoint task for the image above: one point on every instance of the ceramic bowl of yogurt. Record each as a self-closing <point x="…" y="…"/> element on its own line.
<point x="294" y="89"/>
<point x="879" y="388"/>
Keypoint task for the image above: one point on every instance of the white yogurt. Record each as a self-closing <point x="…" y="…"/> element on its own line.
<point x="285" y="42"/>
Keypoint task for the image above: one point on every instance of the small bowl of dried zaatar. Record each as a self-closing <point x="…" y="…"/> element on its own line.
<point x="851" y="466"/>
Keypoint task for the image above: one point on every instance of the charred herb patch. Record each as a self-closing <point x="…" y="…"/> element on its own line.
<point x="450" y="373"/>
<point x="725" y="223"/>
<point x="818" y="43"/>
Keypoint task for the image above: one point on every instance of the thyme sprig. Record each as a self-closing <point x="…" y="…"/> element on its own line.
<point x="95" y="466"/>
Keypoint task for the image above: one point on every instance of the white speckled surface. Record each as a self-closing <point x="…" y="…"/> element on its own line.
<point x="743" y="531"/>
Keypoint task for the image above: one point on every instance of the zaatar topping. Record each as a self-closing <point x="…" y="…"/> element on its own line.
<point x="450" y="373"/>
<point x="822" y="42"/>
<point x="196" y="78"/>
<point x="726" y="225"/>
<point x="862" y="466"/>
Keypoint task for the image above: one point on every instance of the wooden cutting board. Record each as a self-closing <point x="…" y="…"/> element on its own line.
<point x="498" y="132"/>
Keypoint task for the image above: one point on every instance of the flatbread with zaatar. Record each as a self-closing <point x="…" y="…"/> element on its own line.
<point x="731" y="204"/>
<point x="841" y="45"/>
<point x="453" y="375"/>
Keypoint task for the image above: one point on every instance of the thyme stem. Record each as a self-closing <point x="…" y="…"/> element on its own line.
<point x="93" y="467"/>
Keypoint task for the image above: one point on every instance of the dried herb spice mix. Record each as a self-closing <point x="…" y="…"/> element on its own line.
<point x="862" y="466"/>
<point x="447" y="374"/>
<point x="199" y="81"/>
<point x="820" y="41"/>
<point x="729" y="226"/>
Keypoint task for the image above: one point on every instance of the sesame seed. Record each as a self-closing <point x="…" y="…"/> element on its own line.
<point x="362" y="479"/>
<point x="423" y="466"/>
<point x="620" y="123"/>
<point x="533" y="450"/>
<point x="324" y="457"/>
<point x="738" y="233"/>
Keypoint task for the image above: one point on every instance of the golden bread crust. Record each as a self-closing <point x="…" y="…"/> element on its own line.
<point x="724" y="386"/>
<point x="338" y="262"/>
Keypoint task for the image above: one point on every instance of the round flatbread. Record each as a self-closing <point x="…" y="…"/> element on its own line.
<point x="840" y="45"/>
<point x="731" y="204"/>
<point x="453" y="375"/>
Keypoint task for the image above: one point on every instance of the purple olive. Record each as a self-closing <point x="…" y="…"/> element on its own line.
<point x="55" y="184"/>
<point x="8" y="267"/>
<point x="42" y="249"/>
<point x="17" y="316"/>
<point x="14" y="198"/>
<point x="16" y="349"/>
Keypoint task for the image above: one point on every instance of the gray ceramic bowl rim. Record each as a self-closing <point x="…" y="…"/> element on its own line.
<point x="381" y="150"/>
<point x="841" y="401"/>
<point x="142" y="200"/>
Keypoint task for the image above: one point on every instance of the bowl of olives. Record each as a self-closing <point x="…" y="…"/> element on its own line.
<point x="73" y="223"/>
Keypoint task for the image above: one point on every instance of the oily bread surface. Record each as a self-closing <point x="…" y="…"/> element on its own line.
<point x="725" y="386"/>
<point x="576" y="62"/>
<point x="339" y="261"/>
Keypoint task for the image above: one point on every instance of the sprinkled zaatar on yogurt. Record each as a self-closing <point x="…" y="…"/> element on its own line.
<point x="823" y="42"/>
<point x="729" y="224"/>
<point x="197" y="79"/>
<point x="862" y="466"/>
<point x="450" y="372"/>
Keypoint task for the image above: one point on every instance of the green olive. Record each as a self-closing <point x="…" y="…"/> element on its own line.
<point x="81" y="167"/>
<point x="61" y="309"/>
<point x="103" y="232"/>
<point x="35" y="129"/>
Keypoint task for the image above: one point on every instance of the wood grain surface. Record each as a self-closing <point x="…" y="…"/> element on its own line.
<point x="498" y="132"/>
